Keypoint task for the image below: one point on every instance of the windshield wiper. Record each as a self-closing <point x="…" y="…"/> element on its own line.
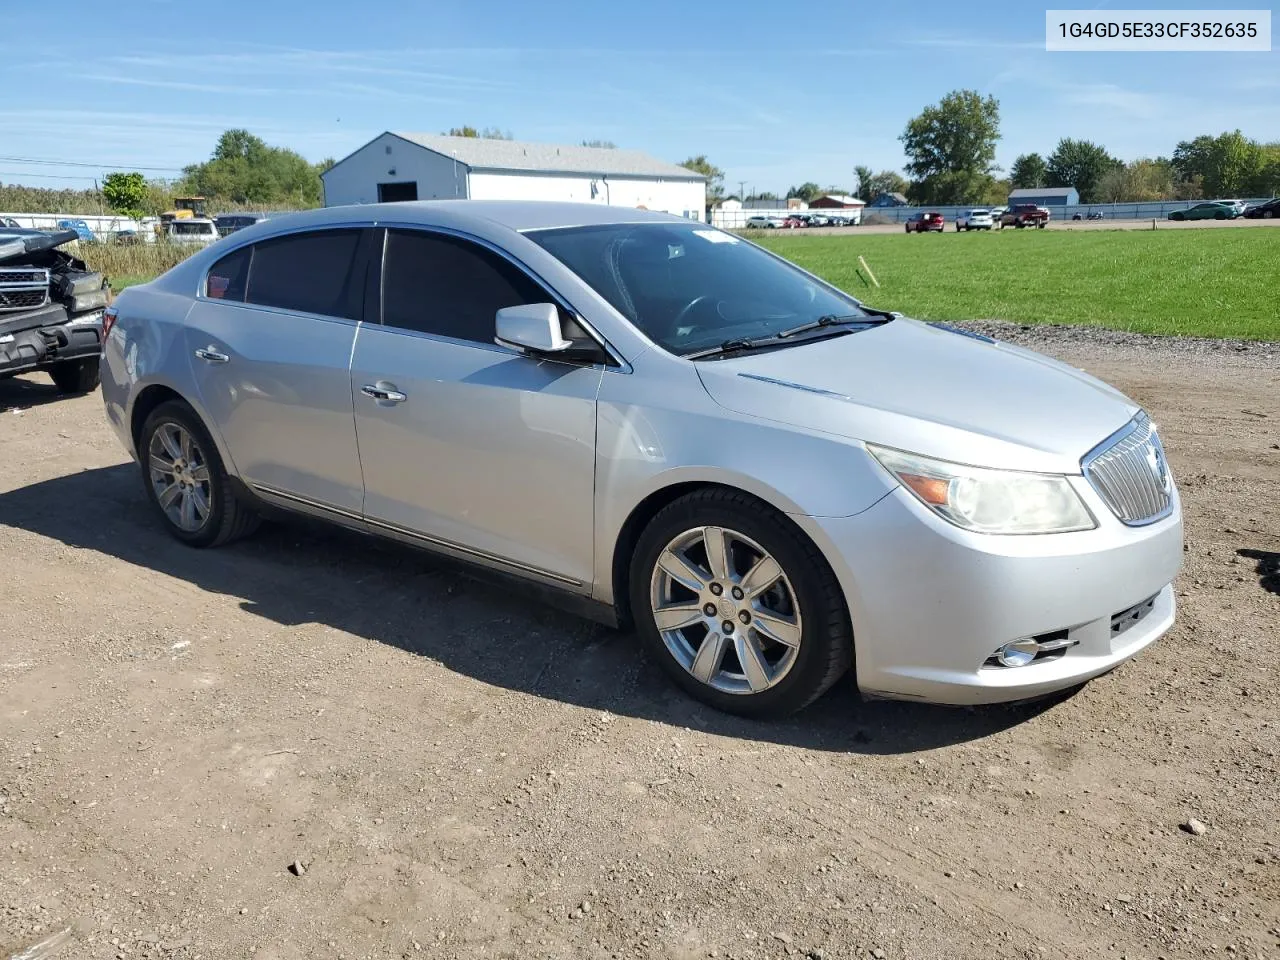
<point x="729" y="346"/>
<point x="829" y="320"/>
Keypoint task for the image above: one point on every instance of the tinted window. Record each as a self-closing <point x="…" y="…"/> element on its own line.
<point x="446" y="286"/>
<point x="310" y="272"/>
<point x="227" y="277"/>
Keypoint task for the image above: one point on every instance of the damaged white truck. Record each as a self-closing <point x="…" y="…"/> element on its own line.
<point x="51" y="307"/>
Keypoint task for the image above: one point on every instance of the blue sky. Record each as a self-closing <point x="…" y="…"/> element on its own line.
<point x="774" y="94"/>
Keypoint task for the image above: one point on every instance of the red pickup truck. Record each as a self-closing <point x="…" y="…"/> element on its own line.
<point x="1025" y="215"/>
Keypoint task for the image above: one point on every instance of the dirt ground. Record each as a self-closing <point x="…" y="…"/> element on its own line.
<point x="460" y="772"/>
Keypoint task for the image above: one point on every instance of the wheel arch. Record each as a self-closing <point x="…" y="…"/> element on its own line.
<point x="651" y="505"/>
<point x="149" y="397"/>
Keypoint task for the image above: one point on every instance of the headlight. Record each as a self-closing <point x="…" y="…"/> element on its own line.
<point x="989" y="501"/>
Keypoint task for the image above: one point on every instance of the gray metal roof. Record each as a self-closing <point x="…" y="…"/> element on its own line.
<point x="481" y="154"/>
<point x="1041" y="192"/>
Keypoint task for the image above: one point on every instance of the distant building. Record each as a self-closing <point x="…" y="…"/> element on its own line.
<point x="417" y="166"/>
<point x="1045" y="196"/>
<point x="889" y="200"/>
<point x="837" y="201"/>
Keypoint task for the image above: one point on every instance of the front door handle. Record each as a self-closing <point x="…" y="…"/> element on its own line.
<point x="210" y="355"/>
<point x="384" y="391"/>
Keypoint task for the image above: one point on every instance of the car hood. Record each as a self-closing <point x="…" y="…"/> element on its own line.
<point x="16" y="242"/>
<point x="929" y="390"/>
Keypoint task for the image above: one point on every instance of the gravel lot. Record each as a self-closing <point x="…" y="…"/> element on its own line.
<point x="310" y="746"/>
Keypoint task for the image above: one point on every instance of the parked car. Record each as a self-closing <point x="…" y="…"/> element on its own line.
<point x="793" y="223"/>
<point x="597" y="432"/>
<point x="51" y="307"/>
<point x="1209" y="210"/>
<point x="198" y="231"/>
<point x="765" y="223"/>
<point x="1092" y="215"/>
<point x="81" y="229"/>
<point x="996" y="214"/>
<point x="1025" y="215"/>
<point x="974" y="220"/>
<point x="1264" y="211"/>
<point x="578" y="396"/>
<point x="925" y="222"/>
<point x="229" y="223"/>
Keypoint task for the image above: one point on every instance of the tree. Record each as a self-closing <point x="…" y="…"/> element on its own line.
<point x="244" y="169"/>
<point x="763" y="195"/>
<point x="807" y="191"/>
<point x="1228" y="165"/>
<point x="602" y="144"/>
<point x="715" y="177"/>
<point x="952" y="148"/>
<point x="1029" y="170"/>
<point x="874" y="184"/>
<point x="1080" y="164"/>
<point x="488" y="133"/>
<point x="126" y="193"/>
<point x="863" y="175"/>
<point x="997" y="193"/>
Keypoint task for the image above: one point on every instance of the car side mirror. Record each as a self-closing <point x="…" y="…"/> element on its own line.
<point x="533" y="327"/>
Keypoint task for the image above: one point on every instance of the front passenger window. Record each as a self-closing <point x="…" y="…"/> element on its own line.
<point x="448" y="286"/>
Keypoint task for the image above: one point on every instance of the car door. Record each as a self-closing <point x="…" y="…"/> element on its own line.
<point x="269" y="340"/>
<point x="463" y="443"/>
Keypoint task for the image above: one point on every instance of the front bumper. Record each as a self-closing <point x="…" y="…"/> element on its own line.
<point x="37" y="340"/>
<point x="930" y="603"/>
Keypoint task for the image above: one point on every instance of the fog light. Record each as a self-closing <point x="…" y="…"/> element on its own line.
<point x="1018" y="653"/>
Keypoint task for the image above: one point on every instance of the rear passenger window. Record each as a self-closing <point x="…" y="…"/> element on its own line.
<point x="310" y="272"/>
<point x="450" y="287"/>
<point x="226" y="278"/>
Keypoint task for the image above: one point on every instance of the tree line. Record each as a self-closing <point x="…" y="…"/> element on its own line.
<point x="951" y="151"/>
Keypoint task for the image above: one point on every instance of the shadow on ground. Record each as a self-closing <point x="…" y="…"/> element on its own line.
<point x="1268" y="568"/>
<point x="304" y="573"/>
<point x="29" y="390"/>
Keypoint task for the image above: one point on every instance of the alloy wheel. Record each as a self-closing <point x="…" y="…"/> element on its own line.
<point x="179" y="476"/>
<point x="726" y="610"/>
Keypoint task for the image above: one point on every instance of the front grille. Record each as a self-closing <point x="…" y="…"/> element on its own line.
<point x="1131" y="475"/>
<point x="22" y="288"/>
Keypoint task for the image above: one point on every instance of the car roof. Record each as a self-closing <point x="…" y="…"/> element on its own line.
<point x="514" y="214"/>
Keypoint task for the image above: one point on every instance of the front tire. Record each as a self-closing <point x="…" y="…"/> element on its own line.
<point x="738" y="605"/>
<point x="76" y="376"/>
<point x="186" y="481"/>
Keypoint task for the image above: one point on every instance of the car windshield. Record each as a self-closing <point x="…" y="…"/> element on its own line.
<point x="691" y="287"/>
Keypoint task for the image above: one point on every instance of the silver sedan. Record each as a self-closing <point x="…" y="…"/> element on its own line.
<point x="673" y="429"/>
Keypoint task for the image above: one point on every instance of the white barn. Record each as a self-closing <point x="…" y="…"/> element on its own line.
<point x="417" y="166"/>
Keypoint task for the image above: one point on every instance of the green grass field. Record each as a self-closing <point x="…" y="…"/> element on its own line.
<point x="1210" y="283"/>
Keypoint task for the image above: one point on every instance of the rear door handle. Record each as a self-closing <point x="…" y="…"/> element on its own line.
<point x="210" y="355"/>
<point x="384" y="391"/>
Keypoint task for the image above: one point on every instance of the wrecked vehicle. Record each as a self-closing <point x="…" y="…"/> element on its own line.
<point x="51" y="308"/>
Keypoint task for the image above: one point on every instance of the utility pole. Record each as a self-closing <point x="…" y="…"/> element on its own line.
<point x="741" y="186"/>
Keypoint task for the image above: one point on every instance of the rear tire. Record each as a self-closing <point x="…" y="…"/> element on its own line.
<point x="196" y="472"/>
<point x="799" y="598"/>
<point x="76" y="376"/>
